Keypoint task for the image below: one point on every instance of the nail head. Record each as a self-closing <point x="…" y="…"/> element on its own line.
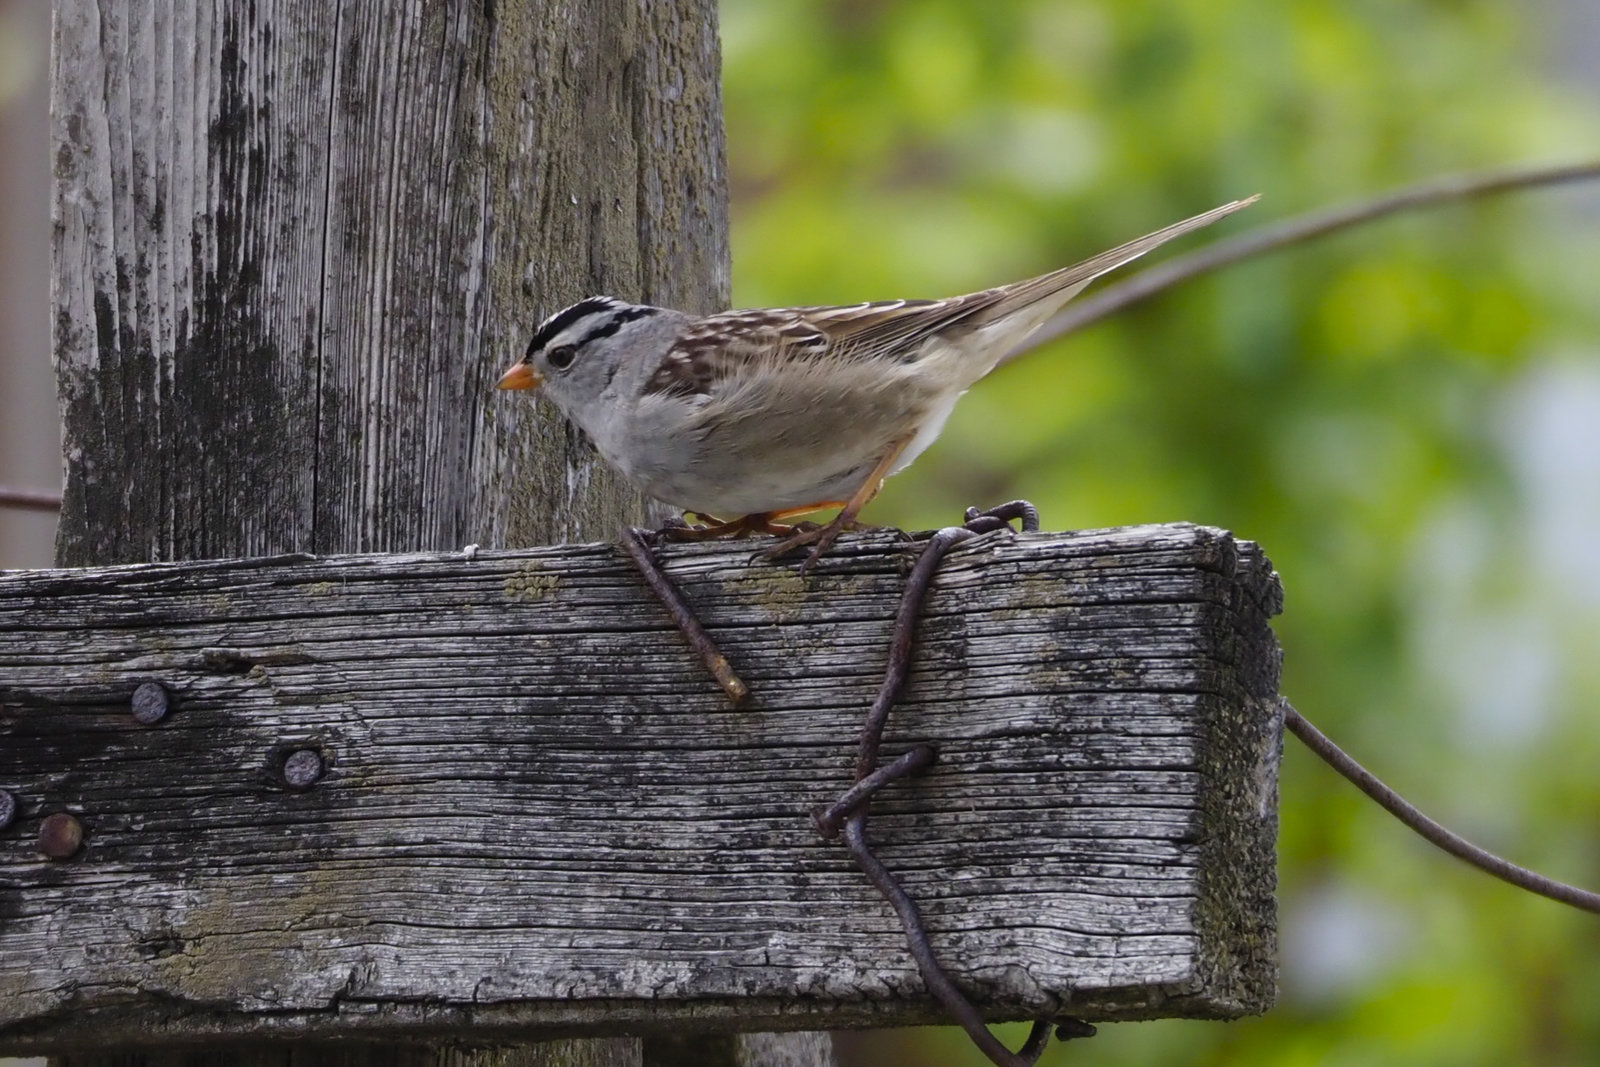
<point x="150" y="703"/>
<point x="8" y="809"/>
<point x="302" y="769"/>
<point x="60" y="835"/>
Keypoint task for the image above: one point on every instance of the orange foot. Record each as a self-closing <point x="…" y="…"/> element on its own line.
<point x="810" y="533"/>
<point x="762" y="522"/>
<point x="823" y="537"/>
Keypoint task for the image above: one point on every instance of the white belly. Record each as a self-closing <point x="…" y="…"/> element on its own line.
<point x="928" y="432"/>
<point x="741" y="454"/>
<point x="768" y="475"/>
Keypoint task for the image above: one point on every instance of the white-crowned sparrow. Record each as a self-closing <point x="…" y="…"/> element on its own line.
<point x="759" y="415"/>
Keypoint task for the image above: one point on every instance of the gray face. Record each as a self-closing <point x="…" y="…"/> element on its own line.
<point x="577" y="352"/>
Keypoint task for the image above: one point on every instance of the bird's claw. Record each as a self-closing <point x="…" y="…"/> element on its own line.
<point x="821" y="538"/>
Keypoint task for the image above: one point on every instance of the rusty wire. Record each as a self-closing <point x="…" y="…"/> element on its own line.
<point x="1433" y="832"/>
<point x="633" y="542"/>
<point x="870" y="777"/>
<point x="29" y="499"/>
<point x="848" y="814"/>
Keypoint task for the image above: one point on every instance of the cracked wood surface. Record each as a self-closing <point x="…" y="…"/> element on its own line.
<point x="539" y="814"/>
<point x="296" y="242"/>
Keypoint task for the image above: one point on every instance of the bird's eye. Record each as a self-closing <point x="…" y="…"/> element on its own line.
<point x="561" y="356"/>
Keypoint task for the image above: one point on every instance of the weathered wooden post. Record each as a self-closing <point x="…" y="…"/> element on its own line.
<point x="493" y="793"/>
<point x="259" y="790"/>
<point x="293" y="251"/>
<point x="294" y="244"/>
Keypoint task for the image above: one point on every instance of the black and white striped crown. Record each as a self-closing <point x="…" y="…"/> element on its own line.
<point x="599" y="316"/>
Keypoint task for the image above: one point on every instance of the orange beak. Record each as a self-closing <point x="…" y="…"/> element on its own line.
<point x="520" y="376"/>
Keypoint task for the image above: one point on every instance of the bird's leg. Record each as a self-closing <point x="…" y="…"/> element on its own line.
<point x="762" y="522"/>
<point x="788" y="513"/>
<point x="823" y="537"/>
<point x="710" y="528"/>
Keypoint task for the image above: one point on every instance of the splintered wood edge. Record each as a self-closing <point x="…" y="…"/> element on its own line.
<point x="1231" y="968"/>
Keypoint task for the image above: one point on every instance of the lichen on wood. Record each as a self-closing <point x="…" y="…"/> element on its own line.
<point x="537" y="812"/>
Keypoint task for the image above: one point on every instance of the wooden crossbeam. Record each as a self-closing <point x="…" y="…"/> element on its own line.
<point x="520" y="804"/>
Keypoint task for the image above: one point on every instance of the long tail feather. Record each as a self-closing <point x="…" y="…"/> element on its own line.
<point x="1080" y="274"/>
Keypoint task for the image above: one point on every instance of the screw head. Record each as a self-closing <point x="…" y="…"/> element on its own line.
<point x="60" y="835"/>
<point x="302" y="769"/>
<point x="150" y="703"/>
<point x="8" y="809"/>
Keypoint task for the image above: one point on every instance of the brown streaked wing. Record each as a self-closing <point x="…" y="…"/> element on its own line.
<point x="717" y="346"/>
<point x="874" y="331"/>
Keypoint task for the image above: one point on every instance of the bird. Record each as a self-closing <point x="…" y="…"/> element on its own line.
<point x="749" y="418"/>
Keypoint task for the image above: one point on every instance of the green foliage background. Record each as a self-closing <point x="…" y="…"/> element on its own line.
<point x="1407" y="417"/>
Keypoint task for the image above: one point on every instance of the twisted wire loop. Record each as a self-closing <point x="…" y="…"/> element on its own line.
<point x="849" y="812"/>
<point x="847" y="816"/>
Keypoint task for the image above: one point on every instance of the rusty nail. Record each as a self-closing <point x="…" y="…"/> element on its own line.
<point x="683" y="616"/>
<point x="150" y="703"/>
<point x="302" y="769"/>
<point x="8" y="809"/>
<point x="60" y="835"/>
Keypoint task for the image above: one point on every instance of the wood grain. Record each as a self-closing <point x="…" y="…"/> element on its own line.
<point x="297" y="242"/>
<point x="538" y="813"/>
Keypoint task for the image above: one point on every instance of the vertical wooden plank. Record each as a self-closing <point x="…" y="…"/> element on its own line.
<point x="294" y="242"/>
<point x="189" y="199"/>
